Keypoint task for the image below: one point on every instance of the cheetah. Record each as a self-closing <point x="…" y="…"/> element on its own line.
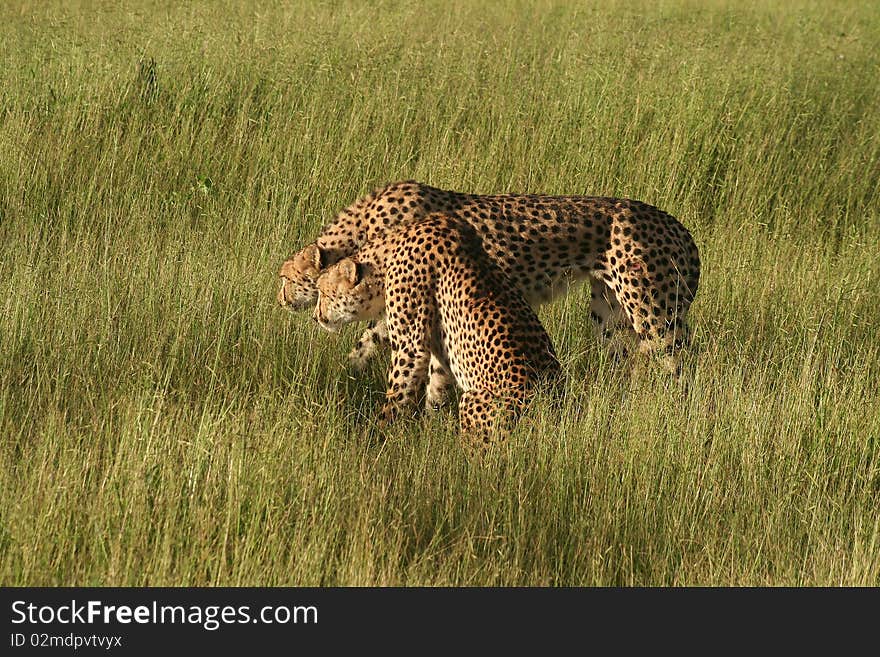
<point x="642" y="264"/>
<point x="444" y="300"/>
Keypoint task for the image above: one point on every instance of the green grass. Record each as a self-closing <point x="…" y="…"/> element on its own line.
<point x="163" y="423"/>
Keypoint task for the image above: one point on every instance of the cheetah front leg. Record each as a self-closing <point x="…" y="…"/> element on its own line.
<point x="411" y="319"/>
<point x="374" y="338"/>
<point x="409" y="330"/>
<point x="407" y="377"/>
<point x="440" y="382"/>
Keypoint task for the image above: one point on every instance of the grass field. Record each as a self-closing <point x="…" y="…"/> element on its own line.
<point x="162" y="422"/>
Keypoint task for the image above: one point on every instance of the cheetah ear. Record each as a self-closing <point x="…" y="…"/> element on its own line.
<point x="350" y="270"/>
<point x="313" y="255"/>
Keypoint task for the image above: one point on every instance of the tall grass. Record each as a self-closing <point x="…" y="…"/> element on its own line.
<point x="162" y="423"/>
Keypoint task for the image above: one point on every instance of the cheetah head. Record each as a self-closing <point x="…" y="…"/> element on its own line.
<point x="299" y="275"/>
<point x="348" y="292"/>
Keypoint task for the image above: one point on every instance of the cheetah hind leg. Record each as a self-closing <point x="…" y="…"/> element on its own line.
<point x="668" y="347"/>
<point x="610" y="323"/>
<point x="374" y="338"/>
<point x="485" y="419"/>
<point x="661" y="322"/>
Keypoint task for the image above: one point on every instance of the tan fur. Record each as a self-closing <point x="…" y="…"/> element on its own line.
<point x="447" y="305"/>
<point x="642" y="263"/>
<point x="298" y="277"/>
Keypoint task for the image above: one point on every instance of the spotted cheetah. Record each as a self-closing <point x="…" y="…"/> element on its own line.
<point x="443" y="299"/>
<point x="642" y="264"/>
